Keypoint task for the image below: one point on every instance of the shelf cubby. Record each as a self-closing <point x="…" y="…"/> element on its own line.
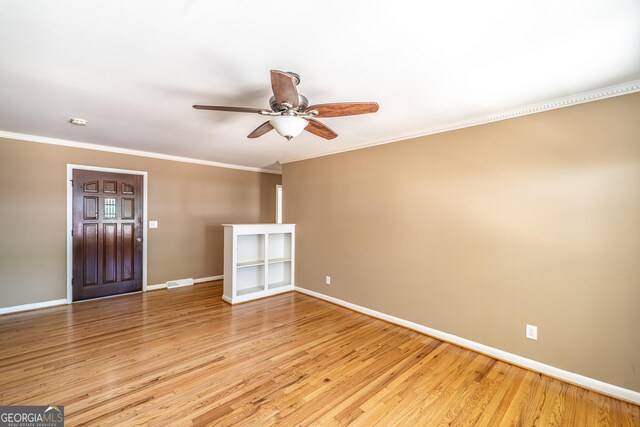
<point x="250" y="279"/>
<point x="250" y="249"/>
<point x="279" y="246"/>
<point x="279" y="273"/>
<point x="277" y="285"/>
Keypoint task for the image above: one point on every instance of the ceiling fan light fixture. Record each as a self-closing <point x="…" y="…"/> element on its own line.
<point x="290" y="111"/>
<point x="288" y="126"/>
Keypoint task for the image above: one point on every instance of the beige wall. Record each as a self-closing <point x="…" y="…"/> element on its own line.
<point x="190" y="202"/>
<point x="478" y="231"/>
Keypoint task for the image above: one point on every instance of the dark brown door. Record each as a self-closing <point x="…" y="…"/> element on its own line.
<point x="107" y="234"/>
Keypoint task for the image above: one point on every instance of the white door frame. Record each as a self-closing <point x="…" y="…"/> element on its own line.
<point x="278" y="204"/>
<point x="70" y="169"/>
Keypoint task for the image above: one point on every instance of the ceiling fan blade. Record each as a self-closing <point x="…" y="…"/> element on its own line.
<point x="284" y="88"/>
<point x="322" y="130"/>
<point x="231" y="109"/>
<point x="261" y="130"/>
<point x="344" y="109"/>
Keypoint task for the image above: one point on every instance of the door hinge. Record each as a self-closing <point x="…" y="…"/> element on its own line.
<point x="72" y="232"/>
<point x="71" y="182"/>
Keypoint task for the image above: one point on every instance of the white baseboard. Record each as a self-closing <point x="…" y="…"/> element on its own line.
<point x="44" y="304"/>
<point x="208" y="279"/>
<point x="570" y="377"/>
<point x="200" y="280"/>
<point x="32" y="306"/>
<point x="156" y="287"/>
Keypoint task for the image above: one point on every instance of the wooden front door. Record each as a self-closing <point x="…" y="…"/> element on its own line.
<point x="107" y="234"/>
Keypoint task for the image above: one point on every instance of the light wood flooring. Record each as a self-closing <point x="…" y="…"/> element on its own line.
<point x="183" y="357"/>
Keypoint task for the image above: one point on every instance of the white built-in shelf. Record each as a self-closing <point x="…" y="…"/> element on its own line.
<point x="248" y="291"/>
<point x="274" y="260"/>
<point x="278" y="285"/>
<point x="258" y="260"/>
<point x="250" y="263"/>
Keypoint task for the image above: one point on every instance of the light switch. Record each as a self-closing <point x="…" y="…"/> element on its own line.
<point x="153" y="224"/>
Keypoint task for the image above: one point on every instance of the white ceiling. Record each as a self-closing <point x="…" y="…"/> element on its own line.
<point x="134" y="68"/>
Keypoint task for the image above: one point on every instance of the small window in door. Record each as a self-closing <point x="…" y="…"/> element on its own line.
<point x="109" y="208"/>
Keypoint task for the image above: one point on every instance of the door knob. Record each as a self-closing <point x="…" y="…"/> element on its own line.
<point x="139" y="239"/>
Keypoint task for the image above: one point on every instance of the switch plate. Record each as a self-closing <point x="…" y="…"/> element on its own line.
<point x="153" y="224"/>
<point x="531" y="332"/>
<point x="327" y="280"/>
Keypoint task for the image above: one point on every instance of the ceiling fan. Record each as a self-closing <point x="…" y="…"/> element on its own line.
<point x="290" y="112"/>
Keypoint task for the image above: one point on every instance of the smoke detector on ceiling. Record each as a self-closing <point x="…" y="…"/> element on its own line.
<point x="78" y="122"/>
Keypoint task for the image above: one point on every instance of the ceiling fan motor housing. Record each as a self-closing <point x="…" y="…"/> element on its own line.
<point x="303" y="103"/>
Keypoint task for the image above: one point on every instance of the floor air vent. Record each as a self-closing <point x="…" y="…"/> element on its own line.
<point x="179" y="283"/>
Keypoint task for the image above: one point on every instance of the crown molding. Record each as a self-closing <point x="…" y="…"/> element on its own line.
<point x="128" y="151"/>
<point x="580" y="98"/>
<point x="552" y="104"/>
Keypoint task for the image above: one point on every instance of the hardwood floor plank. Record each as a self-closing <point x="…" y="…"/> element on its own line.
<point x="183" y="357"/>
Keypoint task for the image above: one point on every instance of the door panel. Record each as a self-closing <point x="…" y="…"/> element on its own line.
<point x="110" y="186"/>
<point x="127" y="189"/>
<point x="91" y="187"/>
<point x="128" y="251"/>
<point x="128" y="211"/>
<point x="110" y="253"/>
<point x="107" y="234"/>
<point x="90" y="259"/>
<point x="90" y="207"/>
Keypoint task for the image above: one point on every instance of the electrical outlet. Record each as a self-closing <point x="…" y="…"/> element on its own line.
<point x="531" y="332"/>
<point x="327" y="280"/>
